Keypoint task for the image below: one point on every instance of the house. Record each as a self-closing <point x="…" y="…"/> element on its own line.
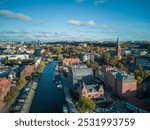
<point x="27" y="71"/>
<point x="90" y="90"/>
<point x="5" y="85"/>
<point x="68" y="61"/>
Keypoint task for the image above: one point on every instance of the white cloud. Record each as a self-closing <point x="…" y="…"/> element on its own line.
<point x="80" y="23"/>
<point x="75" y="22"/>
<point x="89" y="23"/>
<point x="12" y="15"/>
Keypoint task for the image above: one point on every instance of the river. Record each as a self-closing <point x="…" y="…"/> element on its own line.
<point x="47" y="98"/>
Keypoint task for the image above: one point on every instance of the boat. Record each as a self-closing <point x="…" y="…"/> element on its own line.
<point x="53" y="80"/>
<point x="59" y="86"/>
<point x="65" y="109"/>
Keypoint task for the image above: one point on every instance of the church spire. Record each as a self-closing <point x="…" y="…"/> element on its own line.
<point x="118" y="42"/>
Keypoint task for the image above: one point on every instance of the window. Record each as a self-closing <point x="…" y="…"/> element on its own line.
<point x="101" y="91"/>
<point x="84" y="93"/>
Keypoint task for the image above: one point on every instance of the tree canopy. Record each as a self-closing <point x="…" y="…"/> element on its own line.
<point x="85" y="104"/>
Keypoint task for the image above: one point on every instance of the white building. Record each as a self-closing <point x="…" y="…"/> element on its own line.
<point x="15" y="57"/>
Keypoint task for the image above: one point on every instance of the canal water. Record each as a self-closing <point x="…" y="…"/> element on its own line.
<point x="47" y="98"/>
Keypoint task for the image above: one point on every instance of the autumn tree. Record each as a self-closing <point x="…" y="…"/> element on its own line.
<point x="85" y="105"/>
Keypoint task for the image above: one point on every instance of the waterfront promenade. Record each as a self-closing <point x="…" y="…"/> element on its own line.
<point x="68" y="98"/>
<point x="29" y="99"/>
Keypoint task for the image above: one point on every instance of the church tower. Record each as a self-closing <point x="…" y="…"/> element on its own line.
<point x="118" y="50"/>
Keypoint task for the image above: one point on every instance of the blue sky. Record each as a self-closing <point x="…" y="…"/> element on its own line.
<point x="77" y="20"/>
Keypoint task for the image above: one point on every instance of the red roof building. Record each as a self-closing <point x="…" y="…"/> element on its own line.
<point x="68" y="61"/>
<point x="4" y="89"/>
<point x="27" y="71"/>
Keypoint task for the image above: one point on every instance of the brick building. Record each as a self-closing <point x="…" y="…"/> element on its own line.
<point x="120" y="83"/>
<point x="5" y="85"/>
<point x="91" y="91"/>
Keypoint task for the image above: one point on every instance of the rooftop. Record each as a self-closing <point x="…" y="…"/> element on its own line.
<point x="82" y="71"/>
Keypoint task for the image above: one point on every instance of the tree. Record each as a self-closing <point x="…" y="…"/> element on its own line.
<point x="85" y="105"/>
<point x="112" y="62"/>
<point x="106" y="57"/>
<point x="120" y="65"/>
<point x="5" y="61"/>
<point x="21" y="81"/>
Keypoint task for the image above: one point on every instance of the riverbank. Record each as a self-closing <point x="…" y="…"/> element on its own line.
<point x="29" y="99"/>
<point x="68" y="98"/>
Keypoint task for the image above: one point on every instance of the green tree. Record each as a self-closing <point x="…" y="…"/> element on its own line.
<point x="112" y="62"/>
<point x="21" y="81"/>
<point x="120" y="65"/>
<point x="85" y="105"/>
<point x="6" y="61"/>
<point x="106" y="57"/>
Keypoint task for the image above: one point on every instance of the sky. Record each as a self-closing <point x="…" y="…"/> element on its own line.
<point x="74" y="20"/>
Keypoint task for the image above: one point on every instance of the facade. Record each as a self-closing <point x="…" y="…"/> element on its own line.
<point x="120" y="83"/>
<point x="5" y="85"/>
<point x="91" y="91"/>
<point x="78" y="74"/>
<point x="118" y="50"/>
<point x="27" y="71"/>
<point x="68" y="61"/>
<point x="87" y="56"/>
<point x="30" y="51"/>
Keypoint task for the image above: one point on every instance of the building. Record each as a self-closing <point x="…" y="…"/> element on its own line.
<point x="15" y="57"/>
<point x="118" y="50"/>
<point x="120" y="83"/>
<point x="78" y="74"/>
<point x="126" y="85"/>
<point x="102" y="71"/>
<point x="90" y="90"/>
<point x="30" y="51"/>
<point x="137" y="105"/>
<point x="27" y="71"/>
<point x="68" y="61"/>
<point x="5" y="85"/>
<point x="143" y="61"/>
<point x="87" y="56"/>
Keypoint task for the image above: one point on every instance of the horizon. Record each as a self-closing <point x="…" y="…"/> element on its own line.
<point x="74" y="20"/>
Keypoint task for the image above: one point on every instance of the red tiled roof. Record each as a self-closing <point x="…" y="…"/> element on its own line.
<point x="72" y="60"/>
<point x="4" y="82"/>
<point x="27" y="70"/>
<point x="139" y="103"/>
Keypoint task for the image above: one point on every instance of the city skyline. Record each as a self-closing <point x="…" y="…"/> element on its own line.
<point x="74" y="20"/>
